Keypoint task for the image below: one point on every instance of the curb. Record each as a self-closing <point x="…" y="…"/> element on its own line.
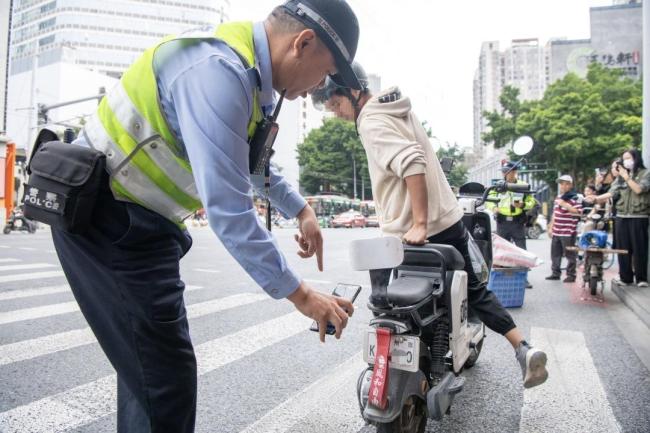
<point x="635" y="300"/>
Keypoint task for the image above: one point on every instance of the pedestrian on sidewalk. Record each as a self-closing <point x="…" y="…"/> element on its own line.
<point x="567" y="210"/>
<point x="631" y="192"/>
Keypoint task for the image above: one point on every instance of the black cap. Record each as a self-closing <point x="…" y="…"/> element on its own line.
<point x="336" y="25"/>
<point x="509" y="166"/>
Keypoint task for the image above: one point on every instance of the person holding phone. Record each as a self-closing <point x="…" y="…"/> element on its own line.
<point x="176" y="132"/>
<point x="631" y="194"/>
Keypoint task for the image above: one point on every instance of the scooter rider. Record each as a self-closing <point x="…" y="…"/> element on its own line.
<point x="413" y="198"/>
<point x="176" y="133"/>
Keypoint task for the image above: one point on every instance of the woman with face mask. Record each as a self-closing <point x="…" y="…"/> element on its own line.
<point x="631" y="193"/>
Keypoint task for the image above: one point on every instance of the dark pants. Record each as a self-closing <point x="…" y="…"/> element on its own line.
<point x="513" y="231"/>
<point x="124" y="273"/>
<point x="558" y="250"/>
<point x="482" y="302"/>
<point x="632" y="235"/>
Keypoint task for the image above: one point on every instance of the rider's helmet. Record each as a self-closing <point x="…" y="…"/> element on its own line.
<point x="321" y="95"/>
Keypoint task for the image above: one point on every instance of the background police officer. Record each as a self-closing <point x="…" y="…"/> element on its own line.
<point x="511" y="210"/>
<point x="176" y="132"/>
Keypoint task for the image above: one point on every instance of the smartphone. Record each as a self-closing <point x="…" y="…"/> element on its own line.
<point x="347" y="291"/>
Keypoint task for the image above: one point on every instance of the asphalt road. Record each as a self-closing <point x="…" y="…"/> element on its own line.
<point x="262" y="370"/>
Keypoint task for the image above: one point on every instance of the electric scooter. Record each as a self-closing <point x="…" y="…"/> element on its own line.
<point x="419" y="343"/>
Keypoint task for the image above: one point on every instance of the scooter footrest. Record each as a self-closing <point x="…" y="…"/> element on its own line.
<point x="457" y="385"/>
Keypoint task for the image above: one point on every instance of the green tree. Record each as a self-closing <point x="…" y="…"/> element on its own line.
<point x="326" y="160"/>
<point x="579" y="124"/>
<point x="502" y="124"/>
<point x="458" y="174"/>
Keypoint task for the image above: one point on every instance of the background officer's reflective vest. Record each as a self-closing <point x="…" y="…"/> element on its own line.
<point x="506" y="205"/>
<point x="143" y="156"/>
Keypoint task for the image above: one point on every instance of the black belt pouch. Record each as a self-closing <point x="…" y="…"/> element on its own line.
<point x="64" y="180"/>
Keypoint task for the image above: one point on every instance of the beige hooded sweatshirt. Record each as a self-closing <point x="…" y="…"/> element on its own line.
<point x="397" y="146"/>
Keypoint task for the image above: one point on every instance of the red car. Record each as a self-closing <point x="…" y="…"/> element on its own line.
<point x="349" y="219"/>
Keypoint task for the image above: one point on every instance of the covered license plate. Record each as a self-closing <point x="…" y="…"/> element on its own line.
<point x="404" y="353"/>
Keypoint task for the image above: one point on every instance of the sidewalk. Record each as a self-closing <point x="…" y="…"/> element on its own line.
<point x="636" y="298"/>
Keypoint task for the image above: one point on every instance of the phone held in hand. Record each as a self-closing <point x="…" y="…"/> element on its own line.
<point x="346" y="291"/>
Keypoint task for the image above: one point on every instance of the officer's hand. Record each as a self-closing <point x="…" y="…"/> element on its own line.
<point x="310" y="239"/>
<point x="417" y="235"/>
<point x="322" y="308"/>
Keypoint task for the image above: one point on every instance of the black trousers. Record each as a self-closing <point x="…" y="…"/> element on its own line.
<point x="558" y="250"/>
<point x="632" y="235"/>
<point x="513" y="231"/>
<point x="482" y="302"/>
<point x="124" y="273"/>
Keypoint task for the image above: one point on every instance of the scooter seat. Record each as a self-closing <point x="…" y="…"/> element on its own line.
<point x="422" y="256"/>
<point x="406" y="291"/>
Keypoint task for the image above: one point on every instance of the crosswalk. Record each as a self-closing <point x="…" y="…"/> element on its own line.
<point x="77" y="406"/>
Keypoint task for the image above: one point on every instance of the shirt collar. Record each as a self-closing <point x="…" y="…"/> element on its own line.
<point x="263" y="56"/>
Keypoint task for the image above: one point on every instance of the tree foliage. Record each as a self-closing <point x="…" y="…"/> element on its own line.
<point x="326" y="160"/>
<point x="458" y="175"/>
<point x="579" y="124"/>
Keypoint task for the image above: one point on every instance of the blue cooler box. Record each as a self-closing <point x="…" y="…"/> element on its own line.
<point x="509" y="285"/>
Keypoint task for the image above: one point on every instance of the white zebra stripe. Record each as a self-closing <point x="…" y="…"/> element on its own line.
<point x="86" y="403"/>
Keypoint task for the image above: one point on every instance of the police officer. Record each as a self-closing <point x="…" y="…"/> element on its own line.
<point x="511" y="210"/>
<point x="176" y="132"/>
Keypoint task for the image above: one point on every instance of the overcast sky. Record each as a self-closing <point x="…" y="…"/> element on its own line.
<point x="430" y="48"/>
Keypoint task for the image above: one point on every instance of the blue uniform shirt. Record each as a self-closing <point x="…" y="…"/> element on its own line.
<point x="207" y="96"/>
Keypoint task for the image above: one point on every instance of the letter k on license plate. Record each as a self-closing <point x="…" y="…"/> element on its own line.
<point x="404" y="351"/>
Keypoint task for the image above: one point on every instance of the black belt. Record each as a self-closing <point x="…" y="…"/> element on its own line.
<point x="510" y="218"/>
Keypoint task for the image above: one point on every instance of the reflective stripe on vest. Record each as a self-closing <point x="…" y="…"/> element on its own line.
<point x="143" y="155"/>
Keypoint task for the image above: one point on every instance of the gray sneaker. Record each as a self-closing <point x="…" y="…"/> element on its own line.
<point x="533" y="364"/>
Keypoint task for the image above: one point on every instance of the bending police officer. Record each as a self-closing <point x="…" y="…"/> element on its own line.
<point x="176" y="133"/>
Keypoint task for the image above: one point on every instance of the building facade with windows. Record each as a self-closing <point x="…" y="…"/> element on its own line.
<point x="62" y="50"/>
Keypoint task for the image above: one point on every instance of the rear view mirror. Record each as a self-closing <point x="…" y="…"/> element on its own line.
<point x="378" y="253"/>
<point x="523" y="145"/>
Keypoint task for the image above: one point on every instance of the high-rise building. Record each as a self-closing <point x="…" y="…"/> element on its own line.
<point x="616" y="42"/>
<point x="62" y="50"/>
<point x="5" y="6"/>
<point x="487" y="88"/>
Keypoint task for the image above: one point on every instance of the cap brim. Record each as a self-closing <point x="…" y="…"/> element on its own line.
<point x="346" y="76"/>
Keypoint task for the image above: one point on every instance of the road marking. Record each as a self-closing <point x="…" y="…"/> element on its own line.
<point x="89" y="402"/>
<point x="29" y="349"/>
<point x="4" y="246"/>
<point x="27" y="266"/>
<point x="327" y="405"/>
<point x="573" y="398"/>
<point x="9" y="260"/>
<point x="32" y="276"/>
<point x="41" y="291"/>
<point x="38" y="312"/>
<point x="211" y="271"/>
<point x="27" y="249"/>
<point x="49" y="344"/>
<point x="309" y="280"/>
<point x="37" y="291"/>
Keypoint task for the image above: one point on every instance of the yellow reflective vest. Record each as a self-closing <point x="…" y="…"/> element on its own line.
<point x="506" y="207"/>
<point x="143" y="157"/>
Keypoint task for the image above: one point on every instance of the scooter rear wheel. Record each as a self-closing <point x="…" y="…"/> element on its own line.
<point x="593" y="285"/>
<point x="412" y="419"/>
<point x="6" y="230"/>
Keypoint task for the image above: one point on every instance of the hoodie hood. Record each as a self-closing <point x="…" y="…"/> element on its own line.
<point x="399" y="108"/>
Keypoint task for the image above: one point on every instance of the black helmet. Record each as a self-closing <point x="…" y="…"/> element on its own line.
<point x="337" y="26"/>
<point x="320" y="96"/>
